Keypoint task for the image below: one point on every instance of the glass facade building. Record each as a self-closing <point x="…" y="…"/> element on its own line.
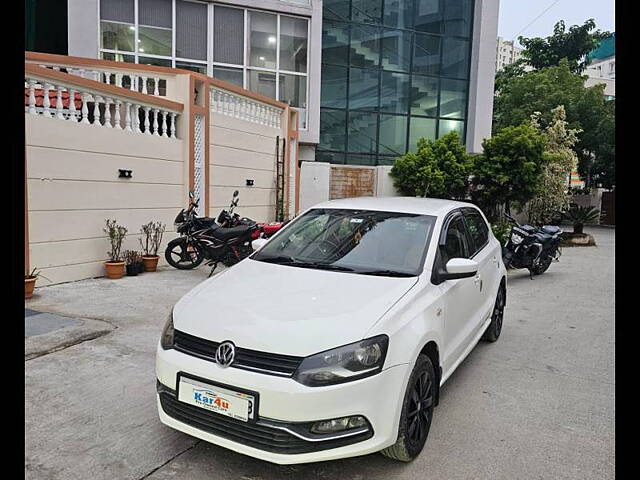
<point x="393" y="71"/>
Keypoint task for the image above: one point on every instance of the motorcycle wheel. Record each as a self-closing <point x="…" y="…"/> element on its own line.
<point x="541" y="265"/>
<point x="182" y="255"/>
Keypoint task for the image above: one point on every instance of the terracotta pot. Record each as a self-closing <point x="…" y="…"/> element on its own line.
<point x="114" y="270"/>
<point x="29" y="285"/>
<point x="150" y="262"/>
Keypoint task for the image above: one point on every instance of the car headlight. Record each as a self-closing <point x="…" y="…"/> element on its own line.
<point x="516" y="239"/>
<point x="166" y="340"/>
<point x="343" y="364"/>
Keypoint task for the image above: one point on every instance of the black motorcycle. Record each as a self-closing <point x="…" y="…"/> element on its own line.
<point x="203" y="238"/>
<point x="531" y="248"/>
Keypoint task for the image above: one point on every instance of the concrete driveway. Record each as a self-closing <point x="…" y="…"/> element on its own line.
<point x="539" y="403"/>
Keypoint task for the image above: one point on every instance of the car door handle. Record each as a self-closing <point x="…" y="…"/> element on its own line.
<point x="478" y="281"/>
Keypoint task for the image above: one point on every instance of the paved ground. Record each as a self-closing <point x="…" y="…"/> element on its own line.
<point x="539" y="403"/>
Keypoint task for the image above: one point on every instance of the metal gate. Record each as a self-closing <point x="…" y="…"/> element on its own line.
<point x="608" y="208"/>
<point x="348" y="182"/>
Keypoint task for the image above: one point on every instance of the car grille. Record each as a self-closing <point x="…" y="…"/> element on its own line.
<point x="262" y="362"/>
<point x="251" y="434"/>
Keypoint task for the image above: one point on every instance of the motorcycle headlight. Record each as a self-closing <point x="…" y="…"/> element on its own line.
<point x="344" y="364"/>
<point x="166" y="340"/>
<point x="516" y="239"/>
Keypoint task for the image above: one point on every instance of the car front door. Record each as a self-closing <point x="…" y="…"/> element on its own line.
<point x="461" y="296"/>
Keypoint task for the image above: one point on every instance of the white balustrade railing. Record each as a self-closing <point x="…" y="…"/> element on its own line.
<point x="151" y="83"/>
<point x="244" y="108"/>
<point x="101" y="109"/>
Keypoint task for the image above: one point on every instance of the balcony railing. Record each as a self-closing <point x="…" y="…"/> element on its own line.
<point x="234" y="105"/>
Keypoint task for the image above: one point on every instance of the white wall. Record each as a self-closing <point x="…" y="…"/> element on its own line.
<point x="83" y="27"/>
<point x="73" y="186"/>
<point x="483" y="69"/>
<point x="314" y="183"/>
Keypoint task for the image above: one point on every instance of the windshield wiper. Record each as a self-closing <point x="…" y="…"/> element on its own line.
<point x="386" y="273"/>
<point x="323" y="266"/>
<point x="279" y="259"/>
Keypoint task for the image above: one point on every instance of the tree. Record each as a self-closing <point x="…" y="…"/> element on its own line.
<point x="586" y="109"/>
<point x="508" y="171"/>
<point x="440" y="168"/>
<point x="509" y="71"/>
<point x="573" y="46"/>
<point x="552" y="199"/>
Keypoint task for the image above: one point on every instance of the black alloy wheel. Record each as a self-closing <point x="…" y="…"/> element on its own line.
<point x="497" y="316"/>
<point x="417" y="412"/>
<point x="183" y="255"/>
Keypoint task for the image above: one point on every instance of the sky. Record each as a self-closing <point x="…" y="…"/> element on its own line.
<point x="515" y="15"/>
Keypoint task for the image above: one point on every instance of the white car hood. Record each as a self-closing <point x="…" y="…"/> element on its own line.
<point x="287" y="310"/>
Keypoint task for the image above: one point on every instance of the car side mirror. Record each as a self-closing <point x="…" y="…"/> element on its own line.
<point x="258" y="243"/>
<point x="459" y="268"/>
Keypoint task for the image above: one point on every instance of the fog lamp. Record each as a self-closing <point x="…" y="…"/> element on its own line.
<point x="339" y="424"/>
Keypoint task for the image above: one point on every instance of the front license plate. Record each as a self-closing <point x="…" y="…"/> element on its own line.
<point x="216" y="399"/>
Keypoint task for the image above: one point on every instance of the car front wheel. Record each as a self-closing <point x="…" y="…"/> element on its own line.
<point x="417" y="412"/>
<point x="492" y="332"/>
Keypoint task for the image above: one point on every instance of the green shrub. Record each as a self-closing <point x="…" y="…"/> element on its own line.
<point x="501" y="231"/>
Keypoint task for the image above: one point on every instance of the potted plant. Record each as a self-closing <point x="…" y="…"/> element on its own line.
<point x="152" y="234"/>
<point x="139" y="262"/>
<point x="30" y="282"/>
<point x="115" y="265"/>
<point x="578" y="216"/>
<point x="131" y="260"/>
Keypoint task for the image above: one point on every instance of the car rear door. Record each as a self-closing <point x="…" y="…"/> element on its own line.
<point x="486" y="253"/>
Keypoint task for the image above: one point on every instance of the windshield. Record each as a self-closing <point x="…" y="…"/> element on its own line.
<point x="359" y="241"/>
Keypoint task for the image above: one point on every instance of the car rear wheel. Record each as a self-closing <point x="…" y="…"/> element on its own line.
<point x="492" y="332"/>
<point x="417" y="412"/>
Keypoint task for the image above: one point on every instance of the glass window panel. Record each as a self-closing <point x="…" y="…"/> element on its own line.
<point x="332" y="129"/>
<point x="365" y="46"/>
<point x="331" y="157"/>
<point x="194" y="67"/>
<point x="161" y="62"/>
<point x="428" y="17"/>
<point x="119" y="57"/>
<point x="228" y="35"/>
<point x="398" y="13"/>
<point x="293" y="44"/>
<point x="419" y="128"/>
<point x="396" y="50"/>
<point x="366" y="11"/>
<point x="155" y="13"/>
<point x="293" y="90"/>
<point x="351" y="159"/>
<point x="457" y="17"/>
<point x="117" y="36"/>
<point x="263" y="83"/>
<point x="191" y="30"/>
<point x="262" y="39"/>
<point x="154" y="41"/>
<point x="231" y="75"/>
<point x="427" y="54"/>
<point x="453" y="98"/>
<point x="333" y="91"/>
<point x="424" y="96"/>
<point x="384" y="160"/>
<point x="335" y="9"/>
<point x="335" y="43"/>
<point x="447" y="126"/>
<point x="362" y="129"/>
<point x="363" y="89"/>
<point x="117" y="10"/>
<point x="455" y="58"/>
<point x="393" y="134"/>
<point x="394" y="94"/>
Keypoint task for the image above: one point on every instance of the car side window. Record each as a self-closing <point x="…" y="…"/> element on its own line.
<point x="477" y="228"/>
<point x="456" y="245"/>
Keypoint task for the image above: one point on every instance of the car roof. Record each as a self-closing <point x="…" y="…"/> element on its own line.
<point x="423" y="206"/>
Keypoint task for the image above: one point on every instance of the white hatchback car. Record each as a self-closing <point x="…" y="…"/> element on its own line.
<point x="334" y="338"/>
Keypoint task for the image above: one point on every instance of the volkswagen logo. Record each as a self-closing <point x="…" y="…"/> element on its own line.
<point x="225" y="354"/>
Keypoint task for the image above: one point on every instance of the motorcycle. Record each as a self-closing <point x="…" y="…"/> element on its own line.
<point x="202" y="238"/>
<point x="531" y="248"/>
<point x="226" y="239"/>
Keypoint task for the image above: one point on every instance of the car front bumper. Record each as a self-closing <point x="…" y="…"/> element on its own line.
<point x="284" y="402"/>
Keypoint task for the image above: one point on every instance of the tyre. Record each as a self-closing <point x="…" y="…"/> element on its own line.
<point x="541" y="265"/>
<point x="492" y="333"/>
<point x="417" y="412"/>
<point x="182" y="255"/>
